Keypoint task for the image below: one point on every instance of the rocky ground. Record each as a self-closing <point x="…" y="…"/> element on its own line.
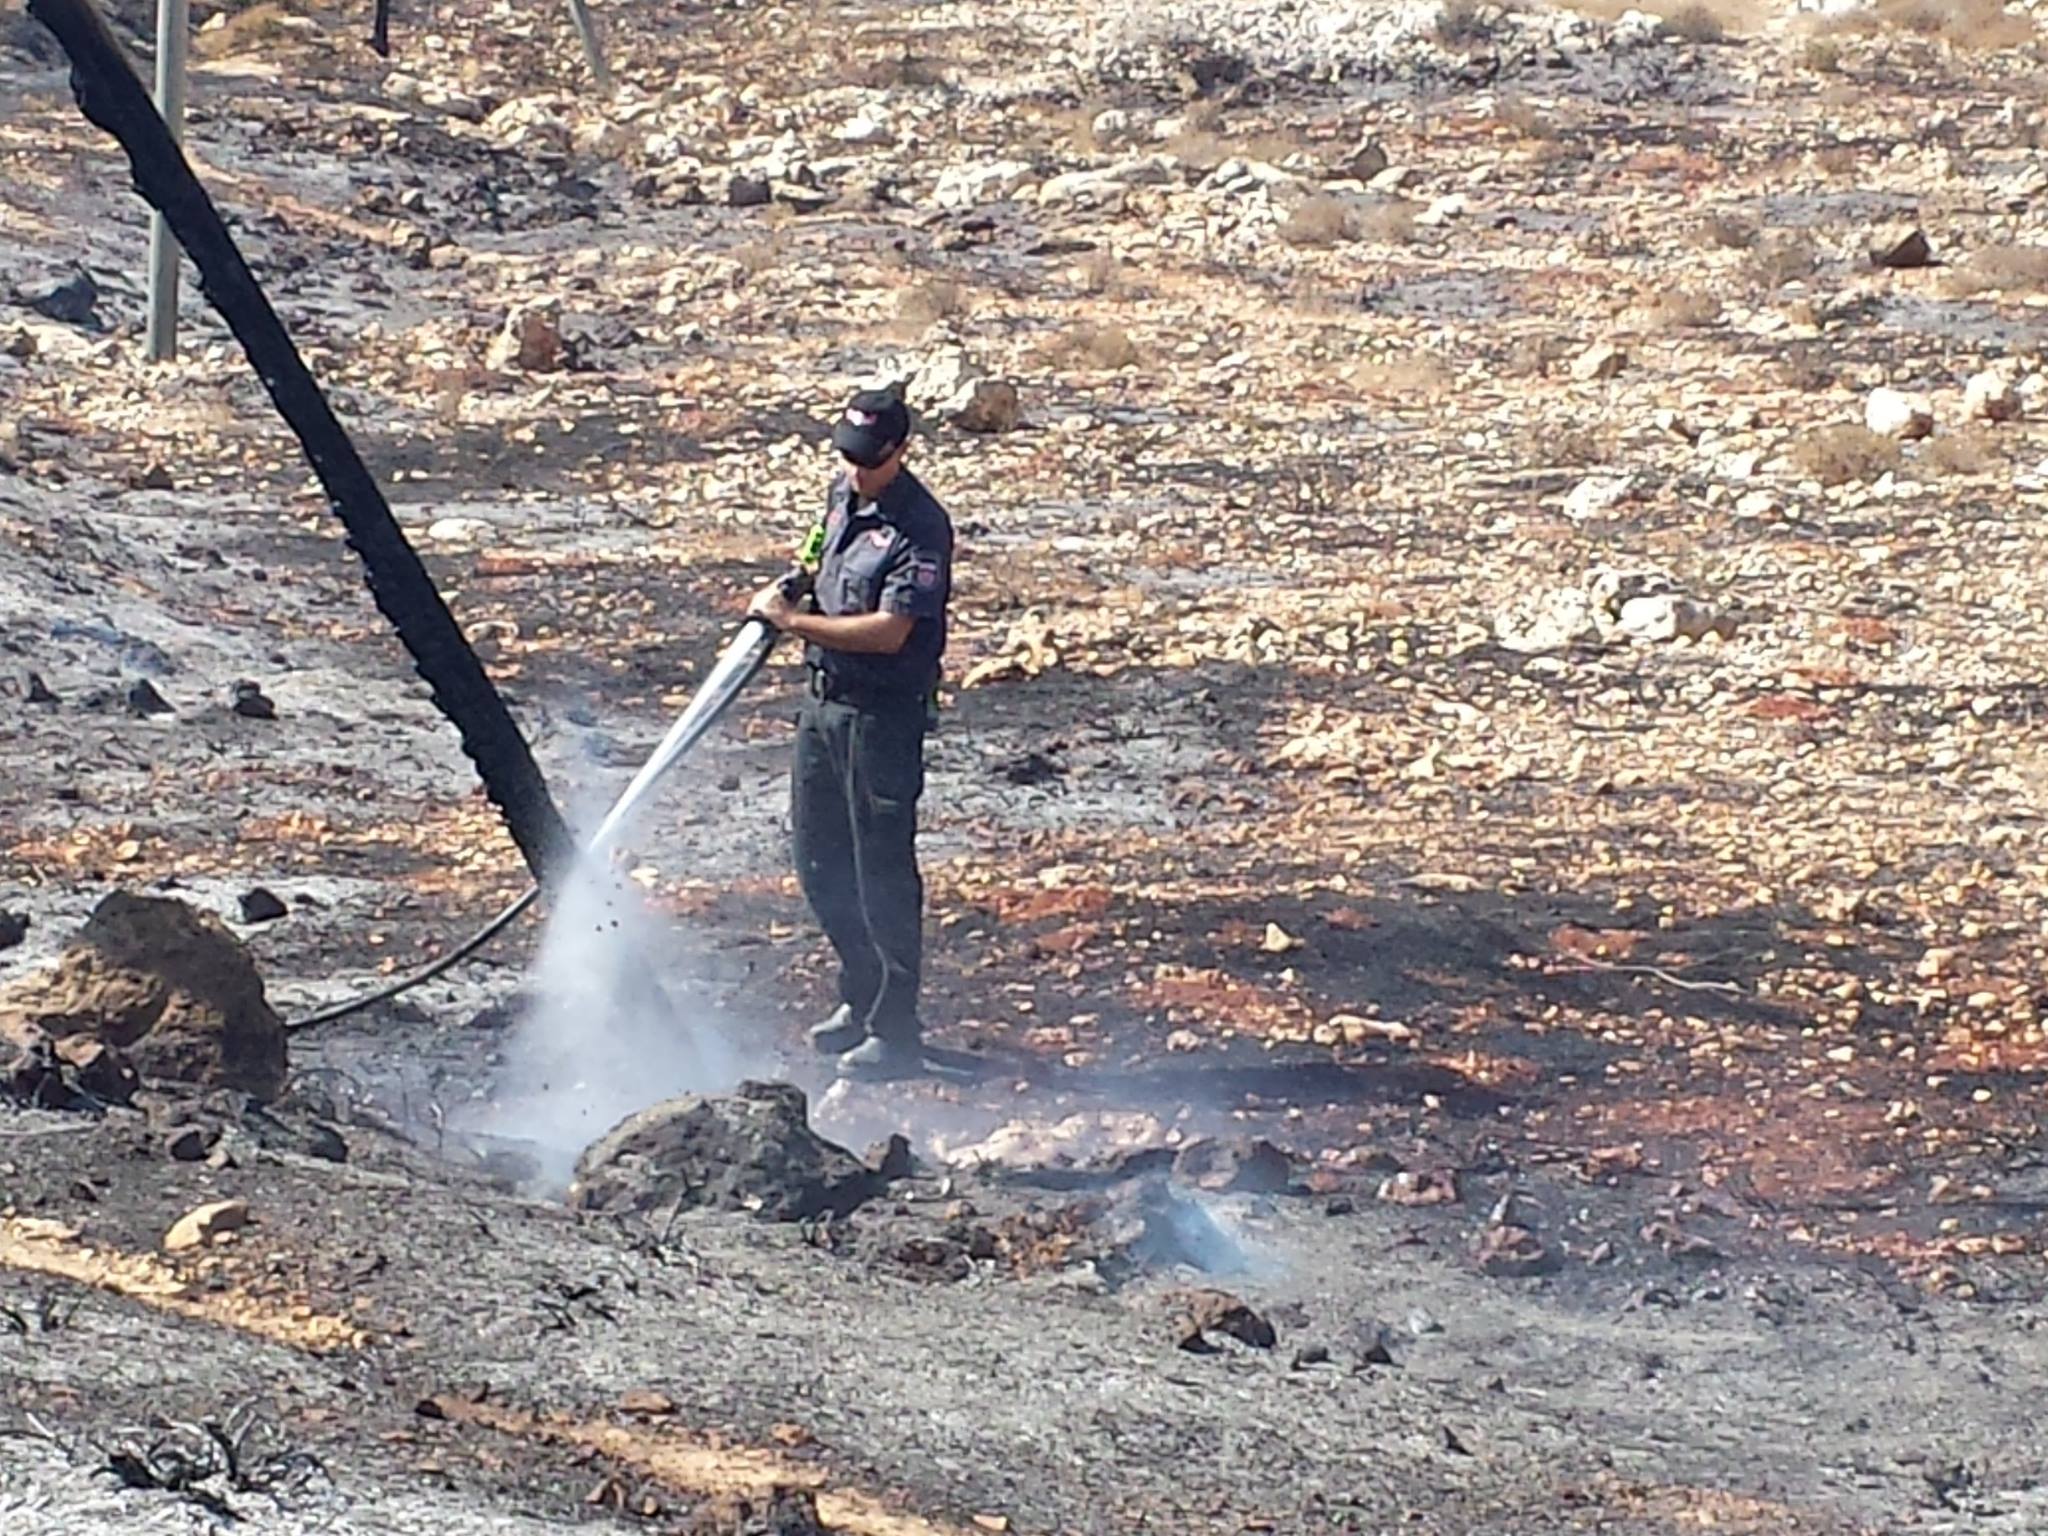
<point x="1494" y="635"/>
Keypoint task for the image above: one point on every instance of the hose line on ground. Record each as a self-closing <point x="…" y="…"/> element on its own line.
<point x="454" y="957"/>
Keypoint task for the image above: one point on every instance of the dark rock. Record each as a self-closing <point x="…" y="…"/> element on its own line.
<point x="189" y="1143"/>
<point x="753" y="1150"/>
<point x="262" y="906"/>
<point x="75" y="1072"/>
<point x="98" y="1069"/>
<point x="1373" y="1340"/>
<point x="749" y="192"/>
<point x="1312" y="1354"/>
<point x="72" y="302"/>
<point x="1365" y="160"/>
<point x="1339" y="1205"/>
<point x="1251" y="1166"/>
<point x="13" y="929"/>
<point x="316" y="1138"/>
<point x="251" y="703"/>
<point x="1900" y="247"/>
<point x="28" y="1066"/>
<point x="892" y="1159"/>
<point x="1220" y="1312"/>
<point x="36" y="691"/>
<point x="154" y="478"/>
<point x="164" y="984"/>
<point x="20" y="345"/>
<point x="143" y="699"/>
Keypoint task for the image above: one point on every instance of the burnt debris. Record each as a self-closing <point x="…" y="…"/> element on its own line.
<point x="750" y="1151"/>
<point x="75" y="301"/>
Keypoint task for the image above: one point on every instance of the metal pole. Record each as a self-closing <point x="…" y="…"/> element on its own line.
<point x="173" y="18"/>
<point x="593" y="46"/>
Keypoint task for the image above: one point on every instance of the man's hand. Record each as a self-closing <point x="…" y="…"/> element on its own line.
<point x="772" y="605"/>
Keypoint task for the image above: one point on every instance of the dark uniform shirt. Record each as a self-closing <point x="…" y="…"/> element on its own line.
<point x="893" y="555"/>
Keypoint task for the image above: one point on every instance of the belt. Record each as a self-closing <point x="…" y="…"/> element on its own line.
<point x="824" y="687"/>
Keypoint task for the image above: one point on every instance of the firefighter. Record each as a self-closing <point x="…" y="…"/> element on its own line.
<point x="874" y="632"/>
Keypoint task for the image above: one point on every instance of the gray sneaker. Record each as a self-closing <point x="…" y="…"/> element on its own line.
<point x="878" y="1060"/>
<point x="838" y="1034"/>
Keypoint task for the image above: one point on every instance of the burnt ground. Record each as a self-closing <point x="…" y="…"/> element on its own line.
<point x="1757" y="1392"/>
<point x="1696" y="1358"/>
<point x="1719" y="965"/>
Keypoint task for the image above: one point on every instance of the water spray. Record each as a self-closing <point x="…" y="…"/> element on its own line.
<point x="742" y="658"/>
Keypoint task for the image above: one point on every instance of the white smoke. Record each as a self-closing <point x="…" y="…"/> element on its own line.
<point x="597" y="1041"/>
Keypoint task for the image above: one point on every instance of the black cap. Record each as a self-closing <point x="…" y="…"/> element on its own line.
<point x="874" y="425"/>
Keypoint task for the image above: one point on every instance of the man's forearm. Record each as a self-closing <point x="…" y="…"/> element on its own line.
<point x="866" y="634"/>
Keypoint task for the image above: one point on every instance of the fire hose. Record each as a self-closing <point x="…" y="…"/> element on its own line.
<point x="735" y="668"/>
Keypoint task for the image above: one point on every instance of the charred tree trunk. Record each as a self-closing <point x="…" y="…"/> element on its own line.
<point x="380" y="30"/>
<point x="111" y="97"/>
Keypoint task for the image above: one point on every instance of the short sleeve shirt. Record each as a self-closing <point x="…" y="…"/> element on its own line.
<point x="894" y="555"/>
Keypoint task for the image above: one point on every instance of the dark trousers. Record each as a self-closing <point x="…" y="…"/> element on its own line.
<point x="853" y="810"/>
